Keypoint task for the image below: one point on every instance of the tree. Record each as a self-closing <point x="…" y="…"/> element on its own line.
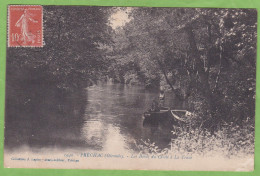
<point x="199" y="54"/>
<point x="76" y="40"/>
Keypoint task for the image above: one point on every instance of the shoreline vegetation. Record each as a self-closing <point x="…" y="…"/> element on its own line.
<point x="205" y="57"/>
<point x="229" y="141"/>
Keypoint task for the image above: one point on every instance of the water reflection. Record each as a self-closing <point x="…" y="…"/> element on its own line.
<point x="51" y="119"/>
<point x="104" y="117"/>
<point x="113" y="118"/>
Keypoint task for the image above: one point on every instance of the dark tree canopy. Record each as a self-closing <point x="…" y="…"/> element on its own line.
<point x="75" y="40"/>
<point x="207" y="57"/>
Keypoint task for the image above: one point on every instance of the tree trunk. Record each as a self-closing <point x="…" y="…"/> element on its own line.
<point x="167" y="80"/>
<point x="204" y="86"/>
<point x="176" y="92"/>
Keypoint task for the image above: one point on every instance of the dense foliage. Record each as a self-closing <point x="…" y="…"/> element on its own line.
<point x="73" y="54"/>
<point x="206" y="57"/>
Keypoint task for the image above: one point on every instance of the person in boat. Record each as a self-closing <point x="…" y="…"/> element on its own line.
<point x="155" y="106"/>
<point x="158" y="103"/>
<point x="161" y="98"/>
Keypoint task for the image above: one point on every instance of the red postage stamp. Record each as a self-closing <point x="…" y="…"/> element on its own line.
<point x="25" y="27"/>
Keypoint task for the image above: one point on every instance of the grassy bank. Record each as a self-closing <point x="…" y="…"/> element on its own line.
<point x="230" y="140"/>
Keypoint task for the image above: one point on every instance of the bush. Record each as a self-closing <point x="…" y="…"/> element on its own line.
<point x="230" y="140"/>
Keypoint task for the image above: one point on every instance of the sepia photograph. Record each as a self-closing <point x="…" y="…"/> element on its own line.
<point x="132" y="88"/>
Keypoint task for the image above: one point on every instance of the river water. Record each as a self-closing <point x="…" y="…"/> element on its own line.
<point x="103" y="117"/>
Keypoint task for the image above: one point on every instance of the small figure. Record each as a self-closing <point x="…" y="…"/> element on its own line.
<point x="155" y="106"/>
<point x="161" y="98"/>
<point x="23" y="23"/>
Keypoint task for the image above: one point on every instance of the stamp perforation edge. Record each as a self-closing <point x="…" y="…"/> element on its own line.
<point x="8" y="27"/>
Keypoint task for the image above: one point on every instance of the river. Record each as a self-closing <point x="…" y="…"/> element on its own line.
<point x="103" y="117"/>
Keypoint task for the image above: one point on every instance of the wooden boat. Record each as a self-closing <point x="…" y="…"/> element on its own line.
<point x="163" y="113"/>
<point x="182" y="115"/>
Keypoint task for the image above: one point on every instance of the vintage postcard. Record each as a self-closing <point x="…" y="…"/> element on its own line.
<point x="132" y="88"/>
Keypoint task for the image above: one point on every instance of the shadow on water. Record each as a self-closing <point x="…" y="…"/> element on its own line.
<point x="104" y="117"/>
<point x="44" y="117"/>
